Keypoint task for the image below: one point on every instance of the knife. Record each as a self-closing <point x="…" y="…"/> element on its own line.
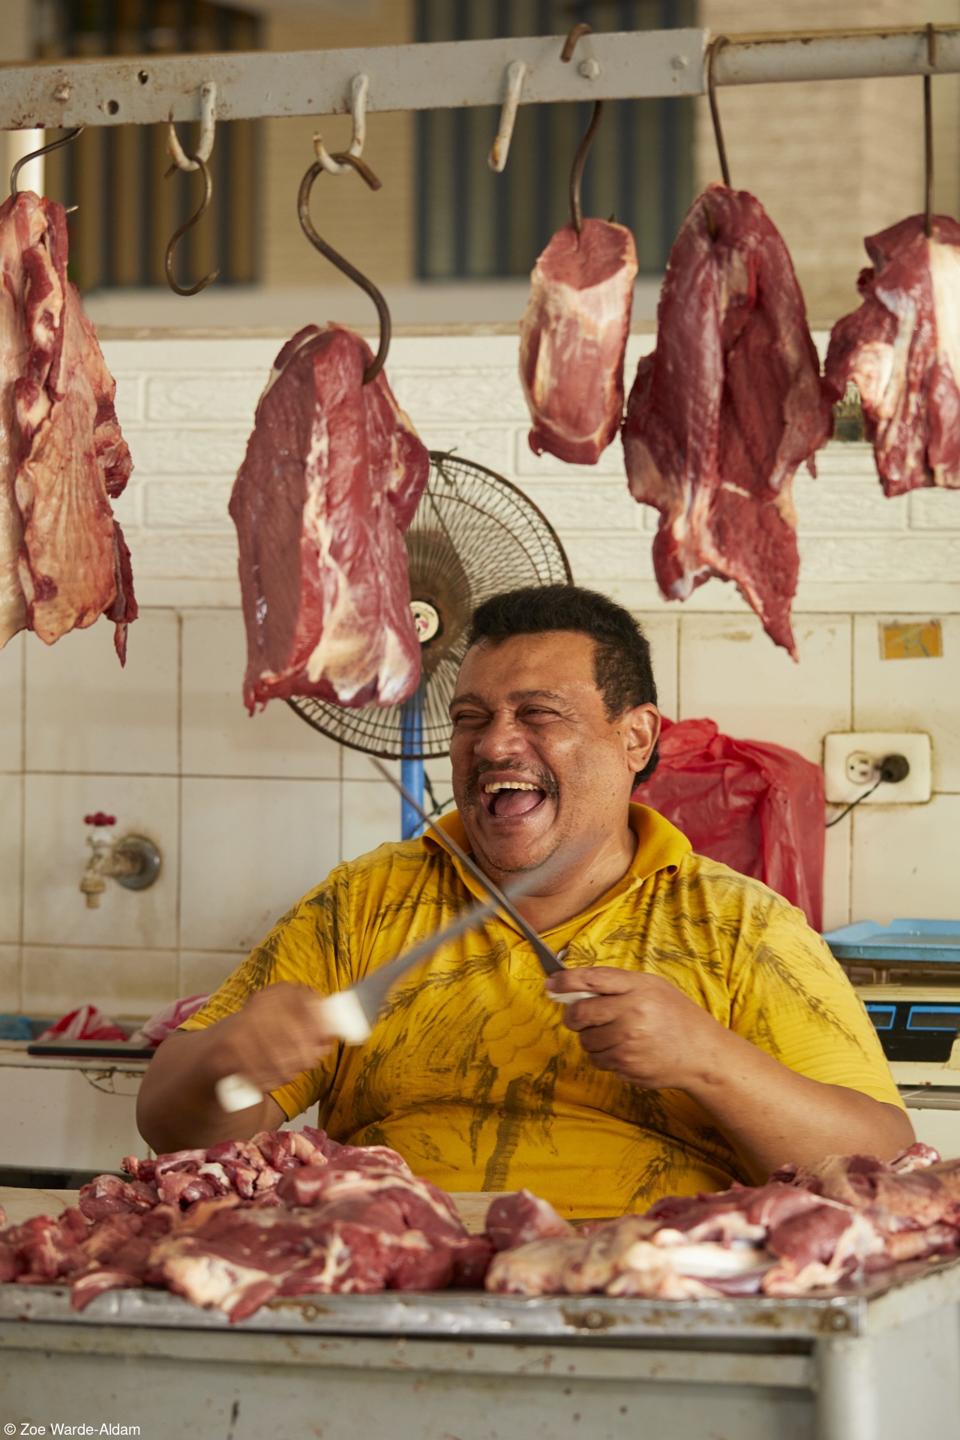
<point x="549" y="959"/>
<point x="352" y="1013"/>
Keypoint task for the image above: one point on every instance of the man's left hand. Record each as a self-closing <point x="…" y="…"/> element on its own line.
<point x="642" y="1027"/>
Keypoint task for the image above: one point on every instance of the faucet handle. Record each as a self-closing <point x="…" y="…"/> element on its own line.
<point x="99" y="818"/>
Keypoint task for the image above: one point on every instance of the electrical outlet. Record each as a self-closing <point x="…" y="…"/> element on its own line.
<point x="851" y="764"/>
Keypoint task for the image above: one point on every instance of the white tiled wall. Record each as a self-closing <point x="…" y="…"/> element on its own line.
<point x="250" y="812"/>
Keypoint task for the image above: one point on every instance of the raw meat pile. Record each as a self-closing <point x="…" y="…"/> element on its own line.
<point x="292" y="1213"/>
<point x="805" y="1229"/>
<point x="63" y="558"/>
<point x="286" y="1213"/>
<point x="331" y="479"/>
<point x="902" y="350"/>
<point x="727" y="407"/>
<point x="572" y="340"/>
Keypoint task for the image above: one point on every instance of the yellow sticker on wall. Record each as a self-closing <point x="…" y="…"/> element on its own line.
<point x="921" y="640"/>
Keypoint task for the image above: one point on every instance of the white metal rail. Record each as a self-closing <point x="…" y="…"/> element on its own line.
<point x="150" y="89"/>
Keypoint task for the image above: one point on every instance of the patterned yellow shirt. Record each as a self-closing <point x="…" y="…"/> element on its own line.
<point x="471" y="1073"/>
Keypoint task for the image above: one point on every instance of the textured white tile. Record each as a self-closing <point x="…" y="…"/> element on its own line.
<point x="371" y="816"/>
<point x="219" y="737"/>
<point x="124" y="984"/>
<point x="662" y="631"/>
<point x="916" y="694"/>
<point x="906" y="556"/>
<point x="825" y="506"/>
<point x="598" y="557"/>
<point x="56" y="854"/>
<point x="86" y="713"/>
<point x="197" y="396"/>
<point x="11" y="702"/>
<point x="731" y="672"/>
<point x="905" y="861"/>
<point x="529" y="464"/>
<point x="250" y="849"/>
<point x="128" y="400"/>
<point x="203" y="971"/>
<point x="469" y="392"/>
<point x="357" y="766"/>
<point x="488" y="445"/>
<point x="184" y="555"/>
<point x="178" y="450"/>
<point x="10" y="978"/>
<point x="582" y="505"/>
<point x="934" y="509"/>
<point x="836" y="875"/>
<point x="170" y="504"/>
<point x="11" y="808"/>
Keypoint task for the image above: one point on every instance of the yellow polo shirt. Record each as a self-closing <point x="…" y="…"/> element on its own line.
<point x="471" y="1073"/>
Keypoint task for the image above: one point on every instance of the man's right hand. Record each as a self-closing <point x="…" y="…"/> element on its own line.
<point x="280" y="1032"/>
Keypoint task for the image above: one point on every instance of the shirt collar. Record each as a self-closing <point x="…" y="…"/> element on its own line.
<point x="660" y="846"/>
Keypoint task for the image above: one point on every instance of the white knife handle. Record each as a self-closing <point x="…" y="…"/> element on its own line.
<point x="344" y="1015"/>
<point x="568" y="997"/>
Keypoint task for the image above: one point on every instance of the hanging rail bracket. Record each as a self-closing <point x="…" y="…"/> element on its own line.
<point x="152" y="89"/>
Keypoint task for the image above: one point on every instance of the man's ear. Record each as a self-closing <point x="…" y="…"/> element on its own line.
<point x="640" y="728"/>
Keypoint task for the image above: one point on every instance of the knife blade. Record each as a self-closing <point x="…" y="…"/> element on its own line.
<point x="549" y="959"/>
<point x="352" y="1013"/>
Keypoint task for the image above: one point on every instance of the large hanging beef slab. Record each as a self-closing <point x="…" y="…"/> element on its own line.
<point x="726" y="408"/>
<point x="332" y="475"/>
<point x="901" y="349"/>
<point x="63" y="558"/>
<point x="572" y="340"/>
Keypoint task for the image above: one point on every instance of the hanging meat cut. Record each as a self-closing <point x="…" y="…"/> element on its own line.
<point x="331" y="479"/>
<point x="901" y="349"/>
<point x="727" y="407"/>
<point x="573" y="338"/>
<point x="63" y="558"/>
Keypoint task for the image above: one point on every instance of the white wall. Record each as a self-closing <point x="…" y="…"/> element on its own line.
<point x="250" y="812"/>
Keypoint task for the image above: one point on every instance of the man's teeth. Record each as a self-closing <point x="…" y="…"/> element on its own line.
<point x="508" y="785"/>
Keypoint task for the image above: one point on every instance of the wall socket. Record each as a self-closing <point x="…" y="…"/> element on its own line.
<point x="851" y="763"/>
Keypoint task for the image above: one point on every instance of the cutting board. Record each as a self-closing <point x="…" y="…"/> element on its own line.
<point x="21" y="1204"/>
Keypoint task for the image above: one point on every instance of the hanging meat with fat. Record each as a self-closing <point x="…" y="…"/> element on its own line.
<point x="572" y="340"/>
<point x="726" y="408"/>
<point x="331" y="479"/>
<point x="901" y="349"/>
<point x="63" y="558"/>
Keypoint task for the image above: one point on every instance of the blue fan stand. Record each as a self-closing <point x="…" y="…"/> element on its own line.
<point x="411" y="771"/>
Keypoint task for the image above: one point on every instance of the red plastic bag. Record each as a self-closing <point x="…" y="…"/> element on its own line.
<point x="86" y="1023"/>
<point x="757" y="807"/>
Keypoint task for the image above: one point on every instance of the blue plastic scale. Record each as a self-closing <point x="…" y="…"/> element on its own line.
<point x="908" y="975"/>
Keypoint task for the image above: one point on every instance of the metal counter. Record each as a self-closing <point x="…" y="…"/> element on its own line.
<point x="877" y="1363"/>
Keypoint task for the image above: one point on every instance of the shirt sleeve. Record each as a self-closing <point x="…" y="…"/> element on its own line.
<point x="792" y="999"/>
<point x="308" y="946"/>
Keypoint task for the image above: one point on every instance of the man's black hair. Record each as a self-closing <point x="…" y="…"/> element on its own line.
<point x="621" y="664"/>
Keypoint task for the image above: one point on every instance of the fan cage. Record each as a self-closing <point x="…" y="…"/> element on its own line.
<point x="474" y="535"/>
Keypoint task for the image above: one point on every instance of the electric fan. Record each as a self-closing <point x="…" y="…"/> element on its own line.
<point x="474" y="535"/>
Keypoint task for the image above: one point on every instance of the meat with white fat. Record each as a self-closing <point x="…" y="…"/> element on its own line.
<point x="726" y="408"/>
<point x="573" y="336"/>
<point x="901" y="349"/>
<point x="331" y="479"/>
<point x="63" y="559"/>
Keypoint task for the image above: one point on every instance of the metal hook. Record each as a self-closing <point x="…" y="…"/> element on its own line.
<point x="717" y="44"/>
<point x="208" y="125"/>
<point x="580" y="159"/>
<point x="570" y="44"/>
<point x="500" y="149"/>
<point x="359" y="86"/>
<point x="928" y="130"/>
<point x="576" y="170"/>
<point x="201" y="165"/>
<point x="44" y="150"/>
<point x="334" y="256"/>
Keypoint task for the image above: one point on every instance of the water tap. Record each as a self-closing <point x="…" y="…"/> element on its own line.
<point x="133" y="860"/>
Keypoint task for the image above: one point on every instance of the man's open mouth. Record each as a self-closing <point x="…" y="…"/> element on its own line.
<point x="505" y="798"/>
